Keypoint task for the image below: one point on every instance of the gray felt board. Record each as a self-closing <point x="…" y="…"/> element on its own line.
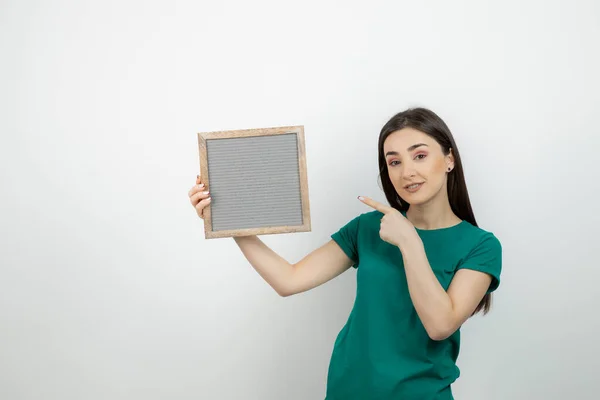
<point x="254" y="182"/>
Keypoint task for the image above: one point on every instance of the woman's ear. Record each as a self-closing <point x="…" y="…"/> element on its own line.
<point x="450" y="160"/>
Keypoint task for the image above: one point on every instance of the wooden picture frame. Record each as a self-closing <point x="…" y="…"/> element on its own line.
<point x="257" y="180"/>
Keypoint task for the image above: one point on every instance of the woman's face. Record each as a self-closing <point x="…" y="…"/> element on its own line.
<point x="416" y="164"/>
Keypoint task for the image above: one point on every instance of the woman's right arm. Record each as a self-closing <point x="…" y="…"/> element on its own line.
<point x="316" y="268"/>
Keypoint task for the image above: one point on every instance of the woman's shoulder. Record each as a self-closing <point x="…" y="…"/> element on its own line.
<point x="481" y="236"/>
<point x="370" y="217"/>
<point x="477" y="230"/>
<point x="362" y="222"/>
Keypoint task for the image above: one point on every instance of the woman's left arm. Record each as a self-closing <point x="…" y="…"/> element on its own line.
<point x="441" y="312"/>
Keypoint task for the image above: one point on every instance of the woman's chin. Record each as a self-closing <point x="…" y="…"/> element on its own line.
<point x="413" y="199"/>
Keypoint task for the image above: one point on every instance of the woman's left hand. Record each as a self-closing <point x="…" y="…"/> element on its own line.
<point x="395" y="228"/>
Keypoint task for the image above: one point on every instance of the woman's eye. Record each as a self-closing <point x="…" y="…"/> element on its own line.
<point x="395" y="161"/>
<point x="421" y="156"/>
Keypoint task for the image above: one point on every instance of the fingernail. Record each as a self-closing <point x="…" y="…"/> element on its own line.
<point x="209" y="199"/>
<point x="205" y="192"/>
<point x="201" y="185"/>
<point x="361" y="198"/>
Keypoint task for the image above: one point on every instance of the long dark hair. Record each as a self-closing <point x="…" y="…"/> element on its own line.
<point x="430" y="123"/>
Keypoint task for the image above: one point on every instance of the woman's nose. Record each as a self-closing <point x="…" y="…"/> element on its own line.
<point x="408" y="171"/>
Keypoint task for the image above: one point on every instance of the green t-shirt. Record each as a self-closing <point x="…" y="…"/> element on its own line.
<point x="383" y="352"/>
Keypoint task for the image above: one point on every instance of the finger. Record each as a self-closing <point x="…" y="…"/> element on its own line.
<point x="376" y="205"/>
<point x="202" y="204"/>
<point x="195" y="189"/>
<point x="199" y="196"/>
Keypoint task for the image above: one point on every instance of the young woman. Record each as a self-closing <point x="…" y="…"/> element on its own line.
<point x="423" y="268"/>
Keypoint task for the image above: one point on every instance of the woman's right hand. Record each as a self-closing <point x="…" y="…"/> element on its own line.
<point x="199" y="197"/>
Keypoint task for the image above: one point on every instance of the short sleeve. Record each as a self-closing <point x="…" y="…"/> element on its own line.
<point x="486" y="257"/>
<point x="347" y="239"/>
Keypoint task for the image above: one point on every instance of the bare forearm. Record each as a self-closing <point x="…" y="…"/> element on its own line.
<point x="275" y="270"/>
<point x="431" y="301"/>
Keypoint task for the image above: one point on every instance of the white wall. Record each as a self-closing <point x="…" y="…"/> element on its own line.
<point x="108" y="289"/>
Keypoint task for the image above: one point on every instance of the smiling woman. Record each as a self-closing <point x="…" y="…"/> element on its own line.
<point x="417" y="147"/>
<point x="431" y="160"/>
<point x="424" y="268"/>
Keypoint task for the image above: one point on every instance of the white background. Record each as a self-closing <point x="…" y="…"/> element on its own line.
<point x="108" y="289"/>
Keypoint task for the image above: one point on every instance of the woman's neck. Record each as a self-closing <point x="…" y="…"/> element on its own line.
<point x="435" y="214"/>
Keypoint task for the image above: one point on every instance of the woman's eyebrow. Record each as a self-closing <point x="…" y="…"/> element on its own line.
<point x="411" y="148"/>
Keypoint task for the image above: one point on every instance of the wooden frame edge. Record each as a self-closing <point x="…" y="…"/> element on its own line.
<point x="302" y="169"/>
<point x="203" y="159"/>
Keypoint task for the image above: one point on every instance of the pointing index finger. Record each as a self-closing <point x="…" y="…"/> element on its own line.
<point x="376" y="205"/>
